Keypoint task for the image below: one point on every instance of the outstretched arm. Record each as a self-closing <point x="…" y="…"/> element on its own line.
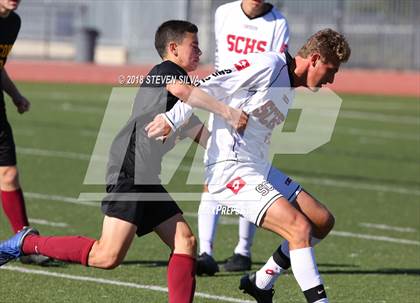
<point x="193" y="97"/>
<point x="196" y="97"/>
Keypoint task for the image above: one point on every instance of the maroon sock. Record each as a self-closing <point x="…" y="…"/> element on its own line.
<point x="69" y="249"/>
<point x="181" y="278"/>
<point x="14" y="208"/>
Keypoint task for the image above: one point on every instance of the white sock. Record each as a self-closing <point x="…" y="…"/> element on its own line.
<point x="207" y="223"/>
<point x="271" y="271"/>
<point x="246" y="236"/>
<point x="268" y="274"/>
<point x="285" y="245"/>
<point x="305" y="270"/>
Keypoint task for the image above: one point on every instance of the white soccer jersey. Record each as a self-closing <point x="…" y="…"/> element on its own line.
<point x="260" y="86"/>
<point x="238" y="35"/>
<point x="238" y="172"/>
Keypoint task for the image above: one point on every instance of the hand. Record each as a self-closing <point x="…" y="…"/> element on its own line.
<point x="22" y="104"/>
<point x="158" y="128"/>
<point x="238" y="119"/>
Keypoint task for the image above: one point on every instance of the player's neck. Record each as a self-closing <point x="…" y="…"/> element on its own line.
<point x="251" y="12"/>
<point x="4" y="12"/>
<point x="299" y="71"/>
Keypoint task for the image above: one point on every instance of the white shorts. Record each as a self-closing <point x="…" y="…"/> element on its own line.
<point x="249" y="189"/>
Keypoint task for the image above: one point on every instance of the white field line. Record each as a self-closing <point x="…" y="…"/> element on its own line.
<point x="57" y="154"/>
<point x="48" y="223"/>
<point x="117" y="283"/>
<point x="316" y="181"/>
<point x="234" y="221"/>
<point x="377" y="117"/>
<point x="52" y="153"/>
<point x="357" y="185"/>
<point x="188" y="196"/>
<point x="366" y="105"/>
<point x="59" y="96"/>
<point x="350" y="114"/>
<point x="228" y="220"/>
<point x="372" y="237"/>
<point x="380" y="134"/>
<point x="388" y="227"/>
<point x="80" y="109"/>
<point x="94" y="134"/>
<point x="371" y="141"/>
<point x="58" y="198"/>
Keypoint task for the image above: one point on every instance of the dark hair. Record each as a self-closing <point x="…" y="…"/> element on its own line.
<point x="330" y="44"/>
<point x="172" y="30"/>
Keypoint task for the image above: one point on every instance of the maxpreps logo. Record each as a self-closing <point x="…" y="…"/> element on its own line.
<point x="236" y="185"/>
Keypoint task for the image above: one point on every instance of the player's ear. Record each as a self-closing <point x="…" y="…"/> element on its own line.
<point x="314" y="58"/>
<point x="173" y="48"/>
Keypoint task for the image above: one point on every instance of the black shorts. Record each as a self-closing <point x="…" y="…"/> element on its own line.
<point x="7" y="144"/>
<point x="146" y="215"/>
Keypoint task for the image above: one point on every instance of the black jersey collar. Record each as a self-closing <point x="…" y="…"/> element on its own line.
<point x="291" y="64"/>
<point x="176" y="66"/>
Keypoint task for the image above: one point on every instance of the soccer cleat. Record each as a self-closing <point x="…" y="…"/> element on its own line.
<point x="206" y="265"/>
<point x="35" y="259"/>
<point x="238" y="262"/>
<point x="12" y="248"/>
<point x="248" y="286"/>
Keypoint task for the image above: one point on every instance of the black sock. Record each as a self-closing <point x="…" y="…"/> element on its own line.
<point x="315" y="293"/>
<point x="281" y="259"/>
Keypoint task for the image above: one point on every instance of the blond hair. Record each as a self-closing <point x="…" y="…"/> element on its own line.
<point x="331" y="45"/>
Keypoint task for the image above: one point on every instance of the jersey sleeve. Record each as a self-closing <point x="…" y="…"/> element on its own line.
<point x="281" y="35"/>
<point x="178" y="114"/>
<point x="255" y="72"/>
<point x="219" y="18"/>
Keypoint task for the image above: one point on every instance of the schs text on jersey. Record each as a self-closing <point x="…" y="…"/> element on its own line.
<point x="245" y="45"/>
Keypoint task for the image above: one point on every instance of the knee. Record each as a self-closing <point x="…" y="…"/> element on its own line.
<point x="329" y="224"/>
<point x="300" y="233"/>
<point x="191" y="244"/>
<point x="9" y="178"/>
<point x="110" y="261"/>
<point x="326" y="226"/>
<point x="186" y="243"/>
<point x="104" y="259"/>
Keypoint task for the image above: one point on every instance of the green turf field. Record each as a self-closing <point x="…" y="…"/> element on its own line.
<point x="368" y="175"/>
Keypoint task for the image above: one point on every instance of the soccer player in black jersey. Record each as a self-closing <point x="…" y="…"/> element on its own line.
<point x="136" y="202"/>
<point x="11" y="193"/>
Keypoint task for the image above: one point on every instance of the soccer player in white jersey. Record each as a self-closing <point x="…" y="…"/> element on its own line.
<point x="238" y="172"/>
<point x="248" y="26"/>
<point x="241" y="27"/>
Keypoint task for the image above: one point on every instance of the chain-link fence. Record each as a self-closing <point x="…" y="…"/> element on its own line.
<point x="382" y="33"/>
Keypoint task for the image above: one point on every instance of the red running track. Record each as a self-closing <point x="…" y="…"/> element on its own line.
<point x="354" y="81"/>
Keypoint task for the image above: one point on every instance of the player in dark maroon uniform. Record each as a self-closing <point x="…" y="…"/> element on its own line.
<point x="137" y="203"/>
